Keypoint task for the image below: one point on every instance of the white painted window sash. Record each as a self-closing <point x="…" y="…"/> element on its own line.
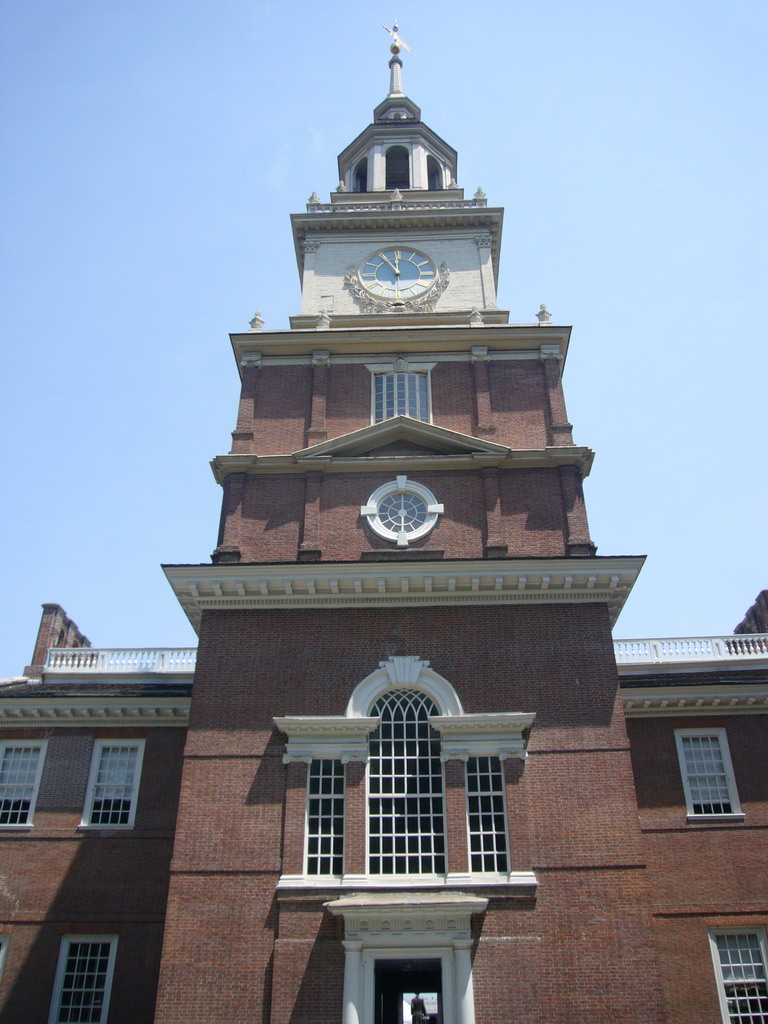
<point x="740" y="960"/>
<point x="114" y="781"/>
<point x="83" y="982"/>
<point x="707" y="774"/>
<point x="21" y="769"/>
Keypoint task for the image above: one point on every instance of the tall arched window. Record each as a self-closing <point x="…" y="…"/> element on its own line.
<point x="360" y="183"/>
<point x="434" y="174"/>
<point x="398" y="167"/>
<point x="406" y="826"/>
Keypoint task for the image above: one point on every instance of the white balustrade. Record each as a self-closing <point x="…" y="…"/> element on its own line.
<point x="93" y="660"/>
<point x="676" y="650"/>
<point x="181" y="660"/>
<point x="402" y="204"/>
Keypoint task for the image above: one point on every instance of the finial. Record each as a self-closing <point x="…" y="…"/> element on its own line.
<point x="543" y="316"/>
<point x="314" y="199"/>
<point x="395" y="63"/>
<point x="256" y="321"/>
<point x="397" y="42"/>
<point x="480" y="194"/>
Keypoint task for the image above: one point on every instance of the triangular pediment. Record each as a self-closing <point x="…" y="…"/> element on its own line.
<point x="415" y="436"/>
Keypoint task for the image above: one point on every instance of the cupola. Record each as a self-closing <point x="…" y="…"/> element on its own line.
<point x="397" y="151"/>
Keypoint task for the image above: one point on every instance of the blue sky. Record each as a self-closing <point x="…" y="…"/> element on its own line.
<point x="152" y="154"/>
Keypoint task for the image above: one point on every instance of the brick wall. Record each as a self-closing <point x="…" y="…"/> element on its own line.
<point x="276" y="403"/>
<point x="235" y="952"/>
<point x="59" y="881"/>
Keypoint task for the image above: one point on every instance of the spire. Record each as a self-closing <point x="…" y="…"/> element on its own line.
<point x="396" y="64"/>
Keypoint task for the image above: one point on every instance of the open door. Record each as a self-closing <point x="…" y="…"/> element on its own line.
<point x="397" y="981"/>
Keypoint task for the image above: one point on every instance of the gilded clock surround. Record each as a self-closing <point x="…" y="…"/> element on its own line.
<point x="383" y="262"/>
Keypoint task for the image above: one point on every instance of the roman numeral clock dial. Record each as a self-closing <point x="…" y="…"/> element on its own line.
<point x="398" y="274"/>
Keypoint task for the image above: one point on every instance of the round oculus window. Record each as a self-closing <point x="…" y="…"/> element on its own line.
<point x="402" y="511"/>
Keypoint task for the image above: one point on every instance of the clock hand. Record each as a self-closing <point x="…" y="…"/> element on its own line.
<point x="389" y="261"/>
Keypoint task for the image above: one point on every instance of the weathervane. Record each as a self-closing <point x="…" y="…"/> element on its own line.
<point x="397" y="42"/>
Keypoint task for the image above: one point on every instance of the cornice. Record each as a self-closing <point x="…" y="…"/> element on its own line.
<point x="667" y="701"/>
<point x="400" y="335"/>
<point x="537" y="458"/>
<point x="404" y="584"/>
<point x="408" y="214"/>
<point x="92" y="711"/>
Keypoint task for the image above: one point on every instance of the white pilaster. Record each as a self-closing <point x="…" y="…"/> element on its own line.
<point x="378" y="170"/>
<point x="353" y="976"/>
<point x="486" y="271"/>
<point x="465" y="995"/>
<point x="308" y="278"/>
<point x="419" y="167"/>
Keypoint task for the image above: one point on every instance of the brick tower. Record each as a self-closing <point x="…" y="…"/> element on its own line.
<point x="406" y="769"/>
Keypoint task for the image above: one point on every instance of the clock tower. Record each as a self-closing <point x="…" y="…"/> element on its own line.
<point x="406" y="772"/>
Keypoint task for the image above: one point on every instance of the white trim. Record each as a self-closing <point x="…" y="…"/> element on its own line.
<point x="759" y="934"/>
<point x="379" y="584"/>
<point x="684" y="701"/>
<point x="92" y="710"/>
<point x="98" y="747"/>
<point x="5" y="938"/>
<point x="66" y="942"/>
<point x="402" y="485"/>
<point x="320" y="835"/>
<point x="730" y="781"/>
<point x="403" y="670"/>
<point x="401" y="365"/>
<point x="313" y="737"/>
<point x="420" y="926"/>
<point x="499" y="734"/>
<point x="523" y="880"/>
<point x="42" y="747"/>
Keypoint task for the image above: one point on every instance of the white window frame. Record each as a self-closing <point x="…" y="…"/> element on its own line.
<point x="98" y="747"/>
<point x="4" y="940"/>
<point x="484" y="834"/>
<point x="437" y="838"/>
<point x="67" y="942"/>
<point x="759" y="934"/>
<point x="735" y="814"/>
<point x="401" y="366"/>
<point x="401" y="485"/>
<point x="41" y="746"/>
<point x="329" y="833"/>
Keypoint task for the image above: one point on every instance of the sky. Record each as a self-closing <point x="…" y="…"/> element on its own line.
<point x="152" y="155"/>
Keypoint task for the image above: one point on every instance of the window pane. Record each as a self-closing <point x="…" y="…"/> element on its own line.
<point x="400" y="394"/>
<point x="707" y="779"/>
<point x="325" y="818"/>
<point x="18" y="774"/>
<point x="743" y="977"/>
<point x="83" y="994"/>
<point x="405" y="807"/>
<point x="114" y="786"/>
<point x="487" y="820"/>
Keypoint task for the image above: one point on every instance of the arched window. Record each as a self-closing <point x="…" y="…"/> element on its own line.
<point x="406" y="828"/>
<point x="360" y="183"/>
<point x="398" y="167"/>
<point x="434" y="174"/>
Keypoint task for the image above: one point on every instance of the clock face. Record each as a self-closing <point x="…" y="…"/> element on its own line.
<point x="398" y="274"/>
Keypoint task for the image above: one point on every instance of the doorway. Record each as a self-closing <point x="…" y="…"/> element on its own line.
<point x="397" y="981"/>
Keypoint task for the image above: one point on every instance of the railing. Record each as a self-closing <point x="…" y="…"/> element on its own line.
<point x="181" y="660"/>
<point x="92" y="660"/>
<point x="675" y="650"/>
<point x="398" y="204"/>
